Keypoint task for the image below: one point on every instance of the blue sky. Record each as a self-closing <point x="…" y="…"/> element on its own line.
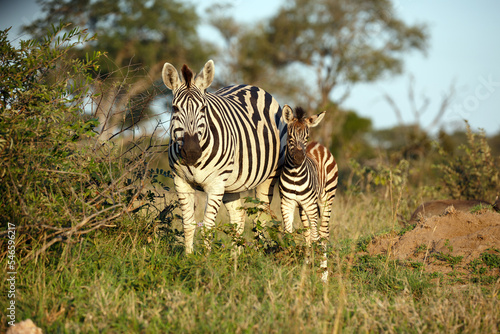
<point x="464" y="48"/>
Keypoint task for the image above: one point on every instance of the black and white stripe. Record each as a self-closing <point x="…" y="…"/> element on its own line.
<point x="222" y="143"/>
<point x="308" y="180"/>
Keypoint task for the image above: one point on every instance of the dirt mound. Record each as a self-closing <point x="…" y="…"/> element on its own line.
<point x="445" y="243"/>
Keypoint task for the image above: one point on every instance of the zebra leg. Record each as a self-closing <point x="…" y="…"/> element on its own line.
<point x="215" y="193"/>
<point x="305" y="225"/>
<point x="324" y="233"/>
<point x="185" y="193"/>
<point x="324" y="229"/>
<point x="307" y="232"/>
<point x="313" y="218"/>
<point x="264" y="193"/>
<point x="236" y="214"/>
<point x="309" y="218"/>
<point x="287" y="211"/>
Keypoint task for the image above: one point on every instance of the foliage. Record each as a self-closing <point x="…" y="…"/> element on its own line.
<point x="351" y="139"/>
<point x="481" y="267"/>
<point x="143" y="31"/>
<point x="342" y="42"/>
<point x="366" y="178"/>
<point x="269" y="235"/>
<point x="42" y="124"/>
<point x="408" y="142"/>
<point x="448" y="258"/>
<point x="135" y="37"/>
<point x="491" y="258"/>
<point x="473" y="172"/>
<point x="57" y="181"/>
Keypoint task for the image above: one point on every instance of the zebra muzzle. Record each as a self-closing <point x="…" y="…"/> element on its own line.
<point x="191" y="150"/>
<point x="298" y="155"/>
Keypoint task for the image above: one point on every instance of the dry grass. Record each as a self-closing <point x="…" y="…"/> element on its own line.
<point x="133" y="279"/>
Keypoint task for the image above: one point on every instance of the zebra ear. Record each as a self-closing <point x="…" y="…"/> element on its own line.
<point x="287" y="114"/>
<point x="314" y="120"/>
<point x="170" y="77"/>
<point x="206" y="76"/>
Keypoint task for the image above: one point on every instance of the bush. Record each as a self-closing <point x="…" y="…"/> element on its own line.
<point x="473" y="172"/>
<point x="56" y="180"/>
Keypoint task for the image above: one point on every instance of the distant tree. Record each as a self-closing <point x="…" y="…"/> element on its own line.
<point x="411" y="139"/>
<point x="338" y="42"/>
<point x="408" y="142"/>
<point x="350" y="139"/>
<point x="137" y="38"/>
<point x="345" y="42"/>
<point x="244" y="57"/>
<point x="449" y="142"/>
<point x="421" y="105"/>
<point x="494" y="142"/>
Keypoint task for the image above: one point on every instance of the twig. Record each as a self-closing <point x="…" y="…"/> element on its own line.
<point x="68" y="232"/>
<point x="62" y="172"/>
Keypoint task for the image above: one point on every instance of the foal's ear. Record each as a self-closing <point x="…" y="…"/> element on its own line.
<point x="314" y="120"/>
<point x="288" y="114"/>
<point x="206" y="76"/>
<point x="170" y="77"/>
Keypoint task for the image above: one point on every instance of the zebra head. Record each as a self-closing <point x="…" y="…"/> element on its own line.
<point x="188" y="125"/>
<point x="298" y="133"/>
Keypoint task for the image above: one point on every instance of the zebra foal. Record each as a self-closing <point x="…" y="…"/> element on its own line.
<point x="308" y="180"/>
<point x="222" y="143"/>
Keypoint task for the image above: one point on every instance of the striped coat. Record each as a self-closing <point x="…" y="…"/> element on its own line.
<point x="222" y="143"/>
<point x="308" y="180"/>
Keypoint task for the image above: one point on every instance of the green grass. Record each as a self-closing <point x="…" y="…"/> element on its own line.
<point x="131" y="279"/>
<point x="450" y="259"/>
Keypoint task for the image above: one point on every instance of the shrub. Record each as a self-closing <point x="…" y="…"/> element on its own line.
<point x="57" y="181"/>
<point x="473" y="174"/>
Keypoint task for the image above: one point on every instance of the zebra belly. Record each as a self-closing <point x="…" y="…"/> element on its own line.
<point x="247" y="175"/>
<point x="233" y="180"/>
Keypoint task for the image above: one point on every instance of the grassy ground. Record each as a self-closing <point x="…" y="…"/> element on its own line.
<point x="134" y="279"/>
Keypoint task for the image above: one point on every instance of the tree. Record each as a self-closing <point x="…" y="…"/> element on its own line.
<point x="244" y="57"/>
<point x="340" y="42"/>
<point x="137" y="38"/>
<point x="345" y="42"/>
<point x="350" y="140"/>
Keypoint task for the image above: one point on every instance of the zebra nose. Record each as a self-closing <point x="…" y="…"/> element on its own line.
<point x="191" y="150"/>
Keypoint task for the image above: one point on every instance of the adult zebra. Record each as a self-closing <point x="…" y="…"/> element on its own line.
<point x="308" y="180"/>
<point x="222" y="143"/>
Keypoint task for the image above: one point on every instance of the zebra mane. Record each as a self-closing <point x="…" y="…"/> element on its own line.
<point x="187" y="74"/>
<point x="300" y="113"/>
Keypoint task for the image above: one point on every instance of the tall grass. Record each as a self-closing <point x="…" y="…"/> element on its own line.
<point x="132" y="279"/>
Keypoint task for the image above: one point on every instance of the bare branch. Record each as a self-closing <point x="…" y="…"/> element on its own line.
<point x="395" y="108"/>
<point x="446" y="100"/>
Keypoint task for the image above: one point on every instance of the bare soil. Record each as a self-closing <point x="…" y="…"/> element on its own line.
<point x="438" y="242"/>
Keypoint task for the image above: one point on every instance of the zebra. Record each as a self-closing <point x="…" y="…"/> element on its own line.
<point x="222" y="143"/>
<point x="308" y="180"/>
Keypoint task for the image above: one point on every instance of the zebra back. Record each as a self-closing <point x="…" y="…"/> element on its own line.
<point x="326" y="167"/>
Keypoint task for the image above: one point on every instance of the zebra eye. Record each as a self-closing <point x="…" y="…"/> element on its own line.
<point x="175" y="109"/>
